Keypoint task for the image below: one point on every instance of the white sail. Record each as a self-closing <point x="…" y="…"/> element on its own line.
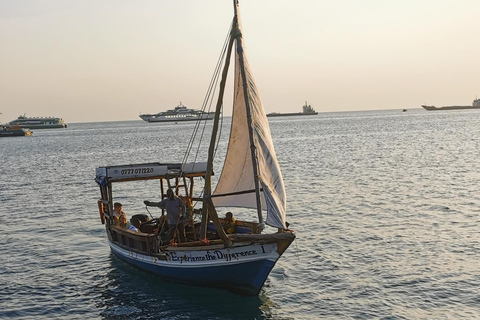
<point x="233" y="179"/>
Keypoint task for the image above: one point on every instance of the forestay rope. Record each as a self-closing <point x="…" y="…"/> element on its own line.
<point x="208" y="101"/>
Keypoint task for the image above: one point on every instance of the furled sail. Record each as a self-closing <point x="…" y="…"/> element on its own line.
<point x="238" y="174"/>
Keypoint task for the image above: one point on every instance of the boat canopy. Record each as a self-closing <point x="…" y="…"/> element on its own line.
<point x="145" y="171"/>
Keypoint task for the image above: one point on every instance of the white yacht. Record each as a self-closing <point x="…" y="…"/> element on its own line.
<point x="180" y="113"/>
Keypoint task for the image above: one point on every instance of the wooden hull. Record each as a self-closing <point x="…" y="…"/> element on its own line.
<point x="242" y="268"/>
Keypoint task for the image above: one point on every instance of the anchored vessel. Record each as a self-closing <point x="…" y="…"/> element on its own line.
<point x="14" y="131"/>
<point x="307" y="111"/>
<point x="475" y="105"/>
<point x="38" y="122"/>
<point x="250" y="179"/>
<point x="180" y="113"/>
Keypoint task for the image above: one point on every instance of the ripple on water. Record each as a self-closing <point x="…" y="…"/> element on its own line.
<point x="385" y="206"/>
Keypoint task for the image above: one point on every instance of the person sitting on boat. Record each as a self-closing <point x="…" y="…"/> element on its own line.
<point x="133" y="228"/>
<point x="119" y="217"/>
<point x="175" y="213"/>
<point x="230" y="224"/>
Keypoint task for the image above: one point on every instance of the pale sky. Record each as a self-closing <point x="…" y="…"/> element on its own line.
<point x="109" y="60"/>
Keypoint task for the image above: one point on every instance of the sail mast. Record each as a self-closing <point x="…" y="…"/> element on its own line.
<point x="249" y="115"/>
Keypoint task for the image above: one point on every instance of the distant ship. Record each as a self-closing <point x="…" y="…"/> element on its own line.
<point x="307" y="111"/>
<point x="14" y="131"/>
<point x="475" y="105"/>
<point x="180" y="113"/>
<point x="37" y="122"/>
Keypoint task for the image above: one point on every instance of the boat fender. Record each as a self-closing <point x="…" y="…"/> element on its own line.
<point x="102" y="212"/>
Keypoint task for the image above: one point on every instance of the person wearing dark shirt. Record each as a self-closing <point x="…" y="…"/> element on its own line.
<point x="175" y="213"/>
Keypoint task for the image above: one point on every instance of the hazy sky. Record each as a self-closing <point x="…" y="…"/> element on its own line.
<point x="87" y="60"/>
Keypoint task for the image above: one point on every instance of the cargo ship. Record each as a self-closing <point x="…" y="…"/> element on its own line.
<point x="475" y="105"/>
<point x="307" y="111"/>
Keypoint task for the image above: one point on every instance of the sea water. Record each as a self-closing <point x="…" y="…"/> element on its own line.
<point x="385" y="205"/>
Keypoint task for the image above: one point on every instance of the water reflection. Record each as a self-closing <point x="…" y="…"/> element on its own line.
<point x="129" y="293"/>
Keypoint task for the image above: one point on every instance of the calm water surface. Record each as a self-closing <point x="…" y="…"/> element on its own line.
<point x="385" y="205"/>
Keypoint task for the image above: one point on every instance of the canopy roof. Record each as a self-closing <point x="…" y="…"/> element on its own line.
<point x="145" y="171"/>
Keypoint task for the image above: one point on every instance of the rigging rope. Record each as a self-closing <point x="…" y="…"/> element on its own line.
<point x="208" y="101"/>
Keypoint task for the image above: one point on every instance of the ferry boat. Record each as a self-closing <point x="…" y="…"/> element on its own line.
<point x="307" y="111"/>
<point x="180" y="113"/>
<point x="475" y="105"/>
<point x="37" y="122"/>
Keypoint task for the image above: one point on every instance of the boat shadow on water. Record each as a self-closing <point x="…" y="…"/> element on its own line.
<point x="131" y="293"/>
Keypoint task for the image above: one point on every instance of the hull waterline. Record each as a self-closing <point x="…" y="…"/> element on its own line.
<point x="242" y="269"/>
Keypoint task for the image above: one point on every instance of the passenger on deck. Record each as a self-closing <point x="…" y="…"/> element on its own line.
<point x="229" y="225"/>
<point x="175" y="213"/>
<point x="119" y="217"/>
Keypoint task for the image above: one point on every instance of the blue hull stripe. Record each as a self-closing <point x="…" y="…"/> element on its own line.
<point x="246" y="277"/>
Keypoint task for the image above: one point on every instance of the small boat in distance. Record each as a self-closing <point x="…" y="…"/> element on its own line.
<point x="37" y="122"/>
<point x="475" y="105"/>
<point x="307" y="111"/>
<point x="14" y="131"/>
<point x="180" y="113"/>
